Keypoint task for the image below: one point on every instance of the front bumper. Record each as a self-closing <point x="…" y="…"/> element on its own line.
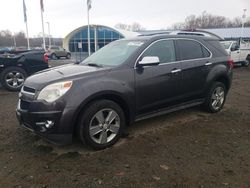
<point x="61" y="126"/>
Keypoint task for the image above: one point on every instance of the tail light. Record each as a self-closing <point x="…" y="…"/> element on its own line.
<point x="230" y="62"/>
<point x="46" y="58"/>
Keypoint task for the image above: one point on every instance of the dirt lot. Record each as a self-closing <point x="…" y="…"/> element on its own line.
<point x="189" y="148"/>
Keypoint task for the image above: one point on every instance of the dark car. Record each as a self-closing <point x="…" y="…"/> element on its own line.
<point x="14" y="69"/>
<point x="124" y="82"/>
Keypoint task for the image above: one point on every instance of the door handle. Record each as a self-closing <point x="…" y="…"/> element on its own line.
<point x="208" y="64"/>
<point x="175" y="71"/>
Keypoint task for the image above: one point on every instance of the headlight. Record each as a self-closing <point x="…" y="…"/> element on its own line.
<point x="54" y="91"/>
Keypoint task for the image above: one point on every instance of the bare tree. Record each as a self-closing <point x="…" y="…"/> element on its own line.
<point x="130" y="27"/>
<point x="206" y="20"/>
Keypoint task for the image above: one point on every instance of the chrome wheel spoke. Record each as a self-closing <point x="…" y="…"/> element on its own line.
<point x="15" y="83"/>
<point x="20" y="80"/>
<point x="221" y="101"/>
<point x="100" y="117"/>
<point x="9" y="80"/>
<point x="95" y="130"/>
<point x="103" y="137"/>
<point x="214" y="103"/>
<point x="11" y="75"/>
<point x="114" y="128"/>
<point x="111" y="116"/>
<point x="214" y="97"/>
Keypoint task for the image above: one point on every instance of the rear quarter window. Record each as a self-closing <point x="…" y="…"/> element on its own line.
<point x="216" y="48"/>
<point x="190" y="49"/>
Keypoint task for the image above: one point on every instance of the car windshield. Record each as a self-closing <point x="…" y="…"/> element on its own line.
<point x="113" y="54"/>
<point x="226" y="44"/>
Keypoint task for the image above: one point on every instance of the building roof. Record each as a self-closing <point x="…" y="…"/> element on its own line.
<point x="124" y="33"/>
<point x="221" y="32"/>
<point x="231" y="32"/>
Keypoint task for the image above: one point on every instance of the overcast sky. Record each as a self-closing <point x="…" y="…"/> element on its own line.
<point x="66" y="15"/>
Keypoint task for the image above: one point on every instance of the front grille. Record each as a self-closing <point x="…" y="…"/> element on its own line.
<point x="29" y="89"/>
<point x="24" y="105"/>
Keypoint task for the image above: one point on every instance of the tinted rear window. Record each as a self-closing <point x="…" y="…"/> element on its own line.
<point x="190" y="49"/>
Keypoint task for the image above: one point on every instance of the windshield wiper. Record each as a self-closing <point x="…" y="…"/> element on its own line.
<point x="94" y="65"/>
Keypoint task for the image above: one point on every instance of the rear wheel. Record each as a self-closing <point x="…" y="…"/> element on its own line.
<point x="68" y="56"/>
<point x="12" y="78"/>
<point x="216" y="98"/>
<point x="53" y="56"/>
<point x="246" y="63"/>
<point x="101" y="124"/>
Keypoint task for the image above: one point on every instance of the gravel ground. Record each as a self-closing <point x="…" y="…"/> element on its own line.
<point x="189" y="148"/>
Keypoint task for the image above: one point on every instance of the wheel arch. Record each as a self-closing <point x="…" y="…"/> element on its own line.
<point x="112" y="96"/>
<point x="219" y="73"/>
<point x="223" y="79"/>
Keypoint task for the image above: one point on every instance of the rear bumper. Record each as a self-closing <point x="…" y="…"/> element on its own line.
<point x="59" y="130"/>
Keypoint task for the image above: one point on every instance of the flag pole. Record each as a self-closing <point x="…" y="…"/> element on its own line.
<point x="27" y="33"/>
<point x="26" y="23"/>
<point x="88" y="8"/>
<point x="42" y="9"/>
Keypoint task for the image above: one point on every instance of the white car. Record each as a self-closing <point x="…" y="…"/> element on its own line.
<point x="240" y="54"/>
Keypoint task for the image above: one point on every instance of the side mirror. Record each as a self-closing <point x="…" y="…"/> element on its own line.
<point x="149" y="61"/>
<point x="237" y="47"/>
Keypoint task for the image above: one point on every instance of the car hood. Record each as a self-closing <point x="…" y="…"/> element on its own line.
<point x="57" y="74"/>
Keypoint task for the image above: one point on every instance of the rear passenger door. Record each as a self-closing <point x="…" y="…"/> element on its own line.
<point x="158" y="86"/>
<point x="196" y="62"/>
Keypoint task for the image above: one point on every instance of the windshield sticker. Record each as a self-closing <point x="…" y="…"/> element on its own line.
<point x="135" y="43"/>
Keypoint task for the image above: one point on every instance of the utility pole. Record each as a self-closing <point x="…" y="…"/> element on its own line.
<point x="49" y="34"/>
<point x="42" y="10"/>
<point x="243" y="23"/>
<point x="89" y="6"/>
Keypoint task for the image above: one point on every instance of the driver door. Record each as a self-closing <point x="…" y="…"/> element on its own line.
<point x="158" y="86"/>
<point x="235" y="52"/>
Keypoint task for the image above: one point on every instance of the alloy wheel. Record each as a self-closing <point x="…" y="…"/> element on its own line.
<point x="14" y="79"/>
<point x="104" y="126"/>
<point x="218" y="98"/>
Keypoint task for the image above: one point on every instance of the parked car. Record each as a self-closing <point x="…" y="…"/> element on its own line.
<point x="240" y="54"/>
<point x="14" y="69"/>
<point x="125" y="81"/>
<point x="56" y="52"/>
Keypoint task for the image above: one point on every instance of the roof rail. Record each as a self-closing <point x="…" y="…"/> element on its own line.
<point x="157" y="33"/>
<point x="197" y="32"/>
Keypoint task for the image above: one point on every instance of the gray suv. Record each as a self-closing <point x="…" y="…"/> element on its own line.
<point x="56" y="52"/>
<point x="125" y="81"/>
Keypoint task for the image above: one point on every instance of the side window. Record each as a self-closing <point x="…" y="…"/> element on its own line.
<point x="163" y="49"/>
<point x="233" y="45"/>
<point x="190" y="49"/>
<point x="206" y="53"/>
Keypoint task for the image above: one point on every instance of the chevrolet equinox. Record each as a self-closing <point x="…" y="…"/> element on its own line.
<point x="125" y="81"/>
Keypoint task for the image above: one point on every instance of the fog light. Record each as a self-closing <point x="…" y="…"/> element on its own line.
<point x="48" y="124"/>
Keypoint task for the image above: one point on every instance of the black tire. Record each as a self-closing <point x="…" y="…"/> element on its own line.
<point x="53" y="56"/>
<point x="15" y="75"/>
<point x="68" y="56"/>
<point x="211" y="99"/>
<point x="246" y="63"/>
<point x="88" y="118"/>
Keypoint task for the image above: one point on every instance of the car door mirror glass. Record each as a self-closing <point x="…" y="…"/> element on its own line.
<point x="149" y="61"/>
<point x="235" y="48"/>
